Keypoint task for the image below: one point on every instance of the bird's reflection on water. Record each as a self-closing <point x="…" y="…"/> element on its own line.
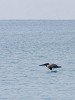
<point x="53" y="71"/>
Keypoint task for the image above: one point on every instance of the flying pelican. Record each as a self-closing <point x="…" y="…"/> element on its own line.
<point x="50" y="66"/>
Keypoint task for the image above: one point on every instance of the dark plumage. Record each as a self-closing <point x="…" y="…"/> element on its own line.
<point x="50" y="66"/>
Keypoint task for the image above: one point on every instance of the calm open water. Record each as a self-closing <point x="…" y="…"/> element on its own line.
<point x="24" y="45"/>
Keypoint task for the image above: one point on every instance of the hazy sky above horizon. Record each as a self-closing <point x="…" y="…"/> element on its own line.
<point x="37" y="9"/>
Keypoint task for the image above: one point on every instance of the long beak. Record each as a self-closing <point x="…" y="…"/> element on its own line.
<point x="42" y="65"/>
<point x="45" y="64"/>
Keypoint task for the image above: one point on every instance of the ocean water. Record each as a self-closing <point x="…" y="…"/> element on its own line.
<point x="24" y="45"/>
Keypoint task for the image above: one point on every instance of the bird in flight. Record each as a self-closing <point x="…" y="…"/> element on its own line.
<point x="50" y="66"/>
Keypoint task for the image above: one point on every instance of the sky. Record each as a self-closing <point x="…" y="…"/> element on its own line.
<point x="37" y="9"/>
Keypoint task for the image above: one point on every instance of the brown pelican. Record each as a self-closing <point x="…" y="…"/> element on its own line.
<point x="50" y="66"/>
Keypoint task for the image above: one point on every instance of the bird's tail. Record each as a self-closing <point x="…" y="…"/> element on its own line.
<point x="59" y="66"/>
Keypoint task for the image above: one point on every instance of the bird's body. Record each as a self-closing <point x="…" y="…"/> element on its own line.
<point x="50" y="66"/>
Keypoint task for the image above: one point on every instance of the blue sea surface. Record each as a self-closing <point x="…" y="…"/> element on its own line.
<point x="24" y="45"/>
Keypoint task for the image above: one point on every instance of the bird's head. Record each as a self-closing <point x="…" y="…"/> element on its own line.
<point x="45" y="64"/>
